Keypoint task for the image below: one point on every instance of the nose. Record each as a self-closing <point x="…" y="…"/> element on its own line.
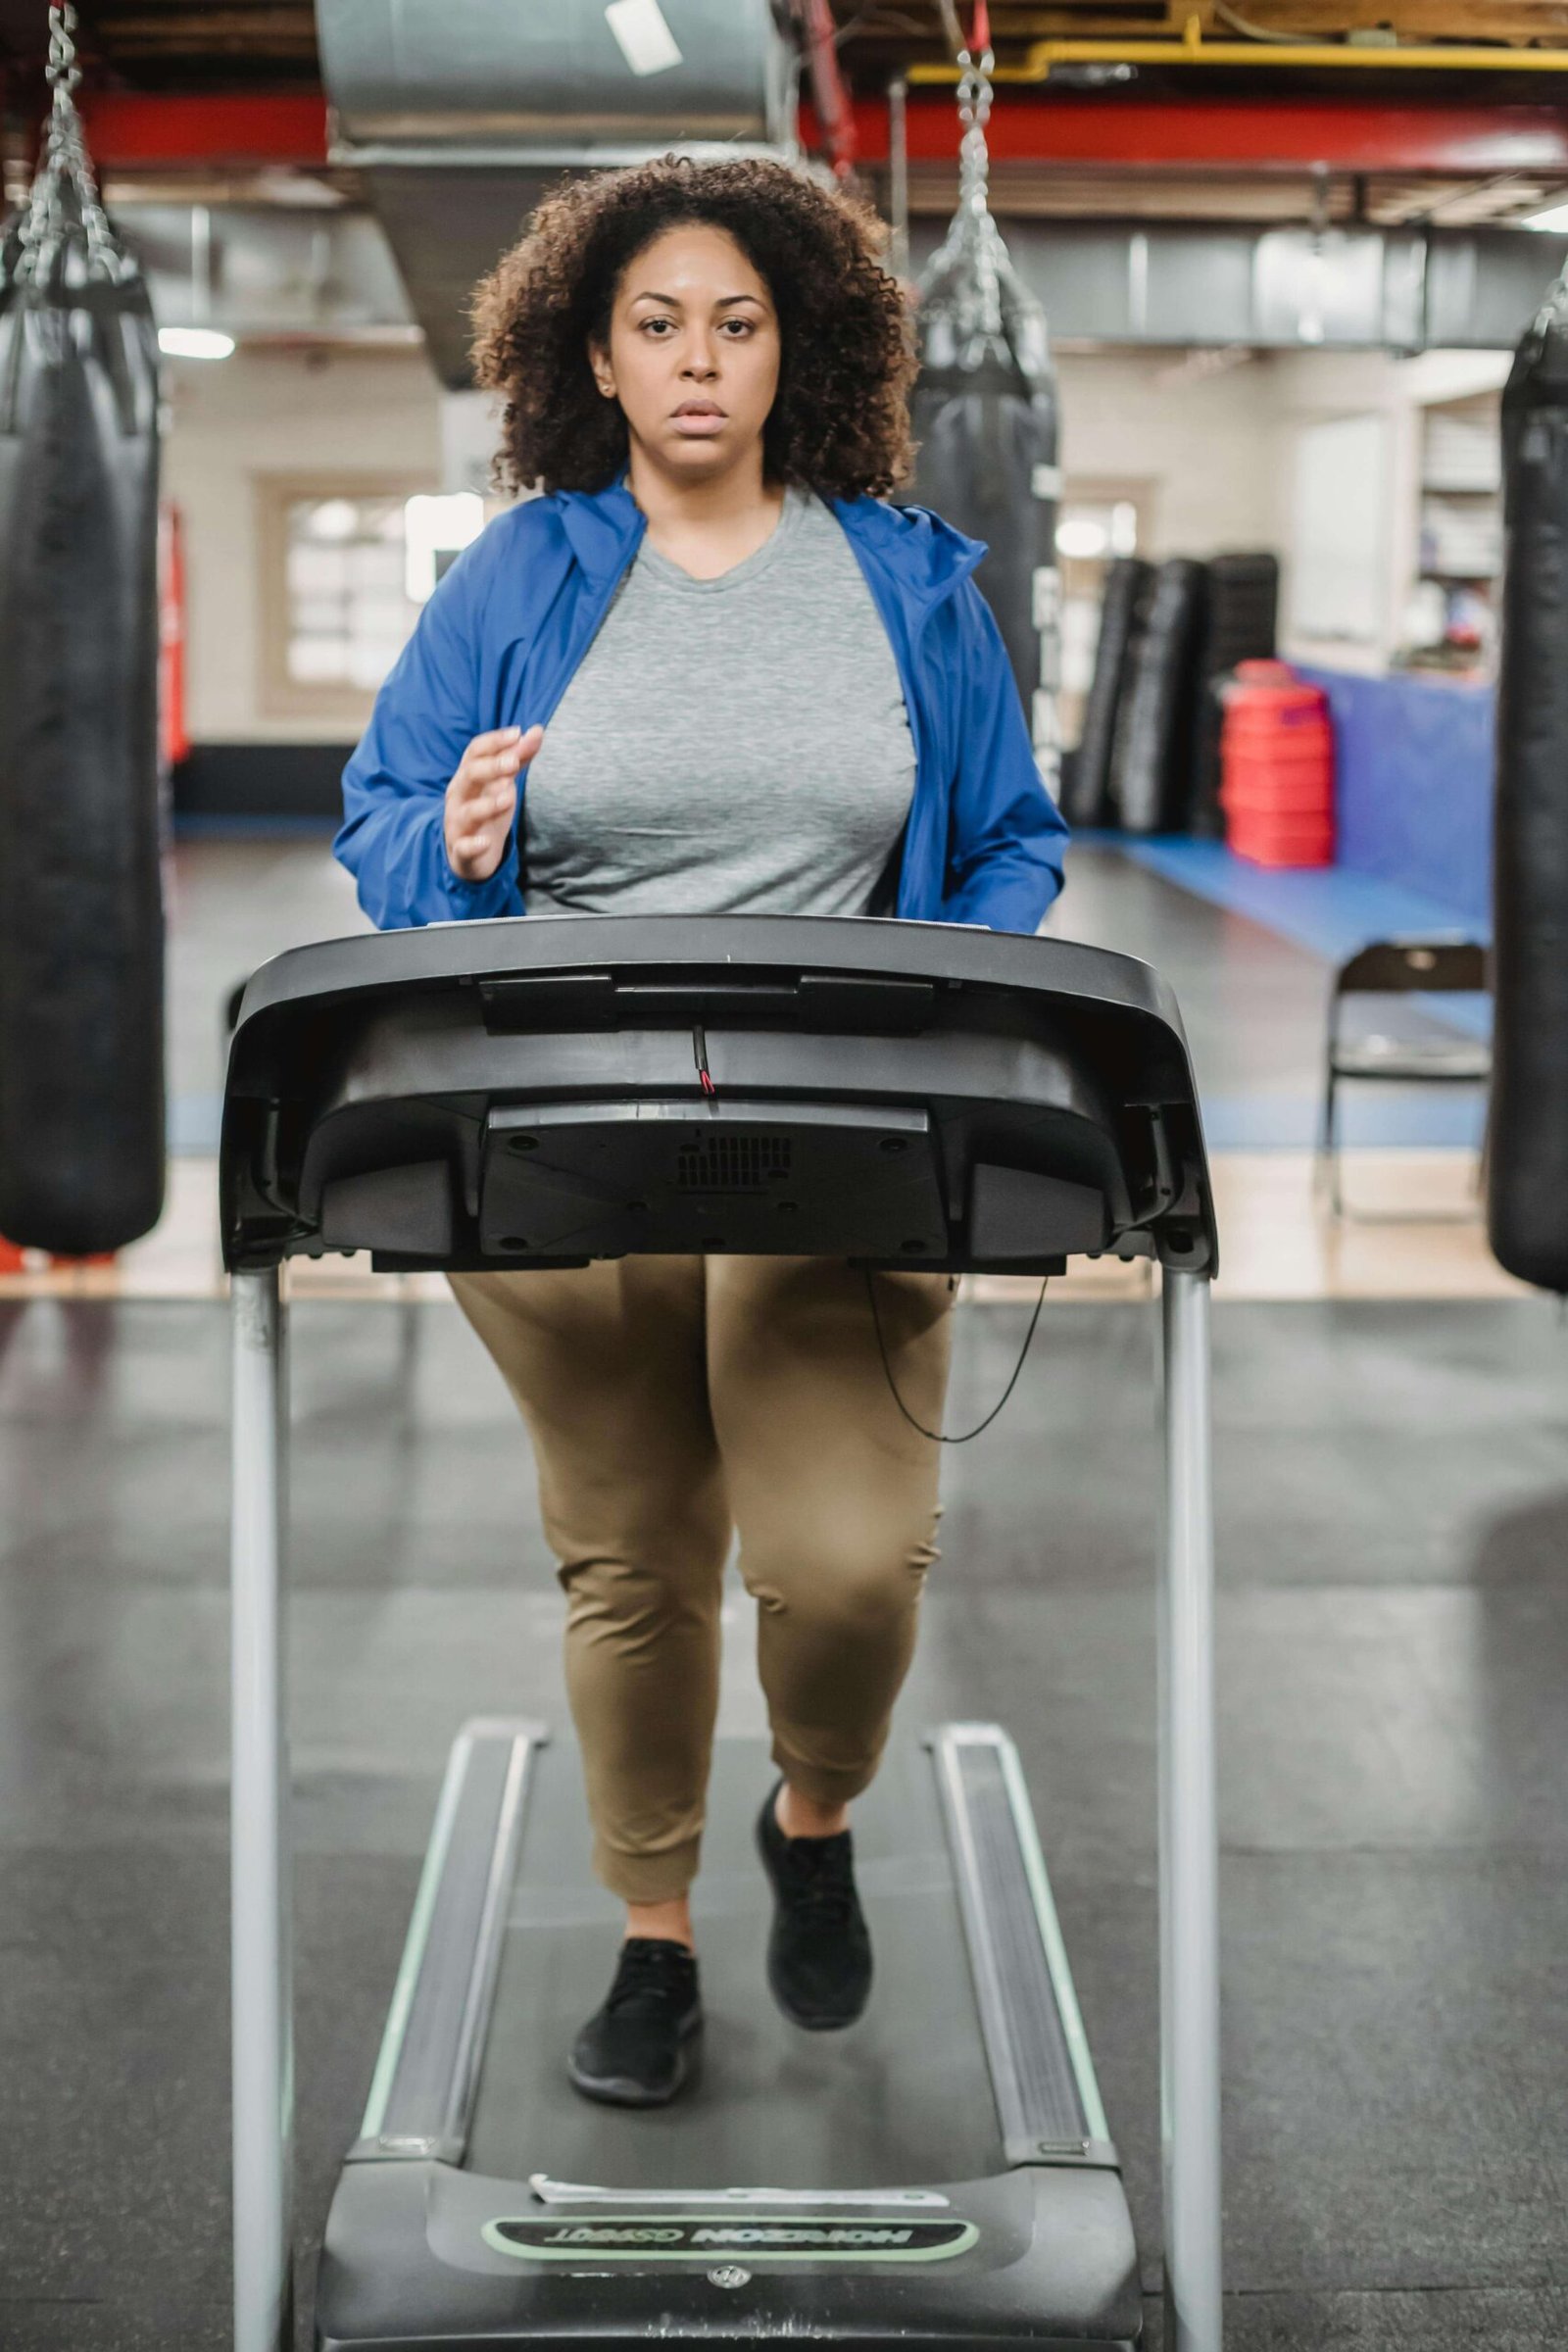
<point x="700" y="361"/>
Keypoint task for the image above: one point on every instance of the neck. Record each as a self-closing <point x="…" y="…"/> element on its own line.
<point x="708" y="526"/>
<point x="674" y="502"/>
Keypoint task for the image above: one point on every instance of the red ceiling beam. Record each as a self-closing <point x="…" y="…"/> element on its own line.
<point x="128" y="131"/>
<point x="1236" y="134"/>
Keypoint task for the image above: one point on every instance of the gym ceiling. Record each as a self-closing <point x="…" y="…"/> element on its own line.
<point x="1387" y="112"/>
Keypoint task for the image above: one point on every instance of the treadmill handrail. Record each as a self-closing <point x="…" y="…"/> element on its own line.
<point x="477" y="950"/>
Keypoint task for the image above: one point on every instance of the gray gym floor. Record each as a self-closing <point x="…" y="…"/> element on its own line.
<point x="1393" y="1523"/>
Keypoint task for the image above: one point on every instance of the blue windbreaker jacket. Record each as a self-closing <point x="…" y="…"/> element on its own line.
<point x="498" y="643"/>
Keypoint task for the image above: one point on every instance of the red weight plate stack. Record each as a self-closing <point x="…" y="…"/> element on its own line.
<point x="1277" y="768"/>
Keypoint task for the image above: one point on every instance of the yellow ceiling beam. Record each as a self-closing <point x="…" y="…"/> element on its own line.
<point x="1191" y="48"/>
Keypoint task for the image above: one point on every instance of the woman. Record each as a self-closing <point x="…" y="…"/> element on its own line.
<point x="736" y="681"/>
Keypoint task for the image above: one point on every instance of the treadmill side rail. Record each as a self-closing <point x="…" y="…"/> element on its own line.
<point x="427" y="2075"/>
<point x="1037" y="2053"/>
<point x="1189" y="1832"/>
<point x="261" y="1951"/>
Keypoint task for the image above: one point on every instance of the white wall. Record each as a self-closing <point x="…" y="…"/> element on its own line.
<point x="1318" y="387"/>
<point x="270" y="412"/>
<point x="1204" y="446"/>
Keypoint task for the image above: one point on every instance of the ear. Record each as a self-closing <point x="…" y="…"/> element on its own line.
<point x="603" y="373"/>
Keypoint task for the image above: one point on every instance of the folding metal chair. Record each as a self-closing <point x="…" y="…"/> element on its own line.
<point x="1444" y="966"/>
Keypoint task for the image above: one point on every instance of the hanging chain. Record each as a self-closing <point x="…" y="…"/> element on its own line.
<point x="64" y="189"/>
<point x="973" y="233"/>
<point x="974" y="113"/>
<point x="63" y="72"/>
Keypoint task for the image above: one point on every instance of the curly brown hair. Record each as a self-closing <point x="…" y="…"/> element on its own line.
<point x="840" y="421"/>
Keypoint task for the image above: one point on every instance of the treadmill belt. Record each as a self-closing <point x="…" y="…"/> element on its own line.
<point x="902" y="2097"/>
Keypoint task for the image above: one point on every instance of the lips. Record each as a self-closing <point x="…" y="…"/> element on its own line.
<point x="697" y="419"/>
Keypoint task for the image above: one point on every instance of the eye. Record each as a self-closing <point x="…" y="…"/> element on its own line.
<point x="743" y="326"/>
<point x="651" y="322"/>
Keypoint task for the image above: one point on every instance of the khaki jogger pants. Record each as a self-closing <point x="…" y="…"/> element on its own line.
<point x="672" y="1400"/>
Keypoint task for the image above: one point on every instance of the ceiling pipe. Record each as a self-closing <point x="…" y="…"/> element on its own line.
<point x="828" y="90"/>
<point x="1195" y="48"/>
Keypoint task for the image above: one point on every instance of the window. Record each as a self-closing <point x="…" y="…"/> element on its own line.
<point x="336" y="608"/>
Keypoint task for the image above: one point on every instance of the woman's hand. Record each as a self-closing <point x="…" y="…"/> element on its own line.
<point x="481" y="798"/>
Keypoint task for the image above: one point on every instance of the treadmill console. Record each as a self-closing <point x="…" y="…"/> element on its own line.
<point x="547" y="1091"/>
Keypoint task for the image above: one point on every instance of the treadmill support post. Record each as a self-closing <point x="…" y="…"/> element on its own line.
<point x="1189" y="1836"/>
<point x="260" y="1850"/>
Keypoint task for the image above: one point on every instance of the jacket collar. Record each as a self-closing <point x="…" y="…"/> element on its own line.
<point x="602" y="528"/>
<point x="924" y="557"/>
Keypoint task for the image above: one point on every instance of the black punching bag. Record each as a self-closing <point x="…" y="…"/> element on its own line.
<point x="1121" y="618"/>
<point x="1528" y="1158"/>
<point x="81" y="1062"/>
<point x="985" y="417"/>
<point x="1151" y="757"/>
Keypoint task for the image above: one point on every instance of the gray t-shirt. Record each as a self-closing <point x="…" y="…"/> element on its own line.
<point x="726" y="747"/>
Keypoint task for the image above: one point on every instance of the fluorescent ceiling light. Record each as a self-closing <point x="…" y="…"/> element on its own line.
<point x="1556" y="220"/>
<point x="194" y="343"/>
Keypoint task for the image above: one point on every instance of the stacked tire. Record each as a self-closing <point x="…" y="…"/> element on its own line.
<point x="1277" y="768"/>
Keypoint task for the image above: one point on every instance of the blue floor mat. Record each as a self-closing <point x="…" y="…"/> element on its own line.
<point x="1325" y="909"/>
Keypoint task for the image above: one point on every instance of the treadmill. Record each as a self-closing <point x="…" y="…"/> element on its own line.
<point x="542" y="1093"/>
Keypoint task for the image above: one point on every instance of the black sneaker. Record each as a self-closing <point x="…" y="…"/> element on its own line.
<point x="632" y="2053"/>
<point x="819" y="1951"/>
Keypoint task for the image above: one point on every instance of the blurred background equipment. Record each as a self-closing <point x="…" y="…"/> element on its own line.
<point x="1087" y="771"/>
<point x="1152" y="760"/>
<point x="1237" y="621"/>
<point x="1277" y="758"/>
<point x="1372" y="1053"/>
<point x="82" y="976"/>
<point x="985" y="414"/>
<point x="1528" y="1160"/>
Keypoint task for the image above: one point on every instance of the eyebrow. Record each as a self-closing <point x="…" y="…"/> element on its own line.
<point x="724" y="302"/>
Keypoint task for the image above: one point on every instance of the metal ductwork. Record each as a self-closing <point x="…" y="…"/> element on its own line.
<point x="460" y="114"/>
<point x="269" y="273"/>
<point x="1196" y="283"/>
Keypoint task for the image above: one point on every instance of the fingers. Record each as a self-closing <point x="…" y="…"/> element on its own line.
<point x="496" y="757"/>
<point x="477" y="820"/>
<point x="482" y="798"/>
<point x="477" y="772"/>
<point x="477" y="809"/>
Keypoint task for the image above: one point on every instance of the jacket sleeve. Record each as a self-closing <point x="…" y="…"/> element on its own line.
<point x="1006" y="835"/>
<point x="393" y="835"/>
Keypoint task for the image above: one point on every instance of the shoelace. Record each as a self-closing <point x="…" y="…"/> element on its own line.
<point x="651" y="1969"/>
<point x="823" y="1878"/>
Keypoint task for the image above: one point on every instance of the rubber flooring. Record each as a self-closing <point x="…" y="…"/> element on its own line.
<point x="1393" y="1498"/>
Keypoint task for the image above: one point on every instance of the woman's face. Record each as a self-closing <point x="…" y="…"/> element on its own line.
<point x="692" y="356"/>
